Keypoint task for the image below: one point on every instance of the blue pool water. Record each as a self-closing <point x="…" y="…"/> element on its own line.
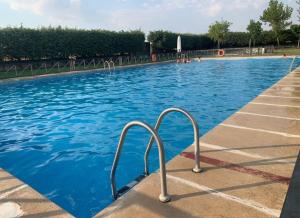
<point x="59" y="134"/>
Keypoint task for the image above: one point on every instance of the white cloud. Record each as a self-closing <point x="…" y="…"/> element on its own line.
<point x="52" y="9"/>
<point x="247" y="4"/>
<point x="213" y="9"/>
<point x="30" y="5"/>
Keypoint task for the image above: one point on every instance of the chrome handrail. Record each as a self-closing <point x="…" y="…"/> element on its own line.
<point x="292" y="64"/>
<point x="163" y="197"/>
<point x="113" y="64"/>
<point x="108" y="65"/>
<point x="197" y="168"/>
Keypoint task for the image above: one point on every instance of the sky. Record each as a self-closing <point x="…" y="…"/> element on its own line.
<point x="185" y="16"/>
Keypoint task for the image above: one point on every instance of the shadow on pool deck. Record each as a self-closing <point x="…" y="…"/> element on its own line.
<point x="252" y="147"/>
<point x="150" y="204"/>
<point x="195" y="194"/>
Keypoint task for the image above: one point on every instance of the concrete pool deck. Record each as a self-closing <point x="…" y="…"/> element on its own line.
<point x="19" y="200"/>
<point x="248" y="161"/>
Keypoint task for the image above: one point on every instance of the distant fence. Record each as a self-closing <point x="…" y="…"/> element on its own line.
<point x="32" y="68"/>
<point x="232" y="51"/>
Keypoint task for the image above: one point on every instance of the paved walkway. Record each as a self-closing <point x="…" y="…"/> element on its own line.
<point x="18" y="199"/>
<point x="248" y="161"/>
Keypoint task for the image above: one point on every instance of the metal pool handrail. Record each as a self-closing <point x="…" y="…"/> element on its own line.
<point x="113" y="64"/>
<point x="292" y="64"/>
<point x="197" y="168"/>
<point x="108" y="65"/>
<point x="163" y="197"/>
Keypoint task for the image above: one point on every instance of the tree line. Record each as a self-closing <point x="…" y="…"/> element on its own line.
<point x="277" y="16"/>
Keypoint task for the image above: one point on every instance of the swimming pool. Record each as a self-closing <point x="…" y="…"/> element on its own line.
<point x="59" y="134"/>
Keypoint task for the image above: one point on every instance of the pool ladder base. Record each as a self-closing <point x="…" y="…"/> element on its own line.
<point x="164" y="199"/>
<point x="197" y="170"/>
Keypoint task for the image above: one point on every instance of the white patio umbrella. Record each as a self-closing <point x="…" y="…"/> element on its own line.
<point x="178" y="44"/>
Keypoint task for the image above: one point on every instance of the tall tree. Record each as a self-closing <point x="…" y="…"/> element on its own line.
<point x="218" y="31"/>
<point x="255" y="30"/>
<point x="277" y="15"/>
<point x="296" y="31"/>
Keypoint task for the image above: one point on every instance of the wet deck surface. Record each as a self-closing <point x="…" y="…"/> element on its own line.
<point x="19" y="200"/>
<point x="248" y="161"/>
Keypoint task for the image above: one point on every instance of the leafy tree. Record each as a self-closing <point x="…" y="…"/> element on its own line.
<point x="296" y="30"/>
<point x="255" y="30"/>
<point x="218" y="31"/>
<point x="277" y="15"/>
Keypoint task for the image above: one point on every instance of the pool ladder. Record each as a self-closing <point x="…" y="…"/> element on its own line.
<point x="110" y="65"/>
<point x="292" y="64"/>
<point x="163" y="197"/>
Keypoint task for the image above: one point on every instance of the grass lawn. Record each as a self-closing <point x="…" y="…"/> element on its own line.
<point x="287" y="51"/>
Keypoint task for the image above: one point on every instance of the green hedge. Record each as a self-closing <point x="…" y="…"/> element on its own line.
<point x="51" y="43"/>
<point x="165" y="41"/>
<point x="236" y="39"/>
